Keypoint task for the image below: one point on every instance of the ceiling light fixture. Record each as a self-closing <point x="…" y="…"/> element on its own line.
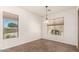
<point x="46" y="16"/>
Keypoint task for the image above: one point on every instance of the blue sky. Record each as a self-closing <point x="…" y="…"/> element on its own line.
<point x="6" y="21"/>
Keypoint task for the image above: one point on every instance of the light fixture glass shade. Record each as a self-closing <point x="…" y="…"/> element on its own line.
<point x="46" y="21"/>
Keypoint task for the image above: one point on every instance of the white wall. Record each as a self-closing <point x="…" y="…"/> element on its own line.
<point x="70" y="27"/>
<point x="29" y="27"/>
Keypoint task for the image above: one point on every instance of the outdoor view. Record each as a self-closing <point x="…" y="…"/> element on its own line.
<point x="10" y="22"/>
<point x="56" y="26"/>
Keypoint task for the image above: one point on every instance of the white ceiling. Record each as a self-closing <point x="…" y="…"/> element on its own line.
<point x="40" y="10"/>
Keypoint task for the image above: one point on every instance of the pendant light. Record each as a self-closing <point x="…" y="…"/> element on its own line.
<point x="46" y="16"/>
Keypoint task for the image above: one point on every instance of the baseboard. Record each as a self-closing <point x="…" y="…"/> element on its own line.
<point x="20" y="43"/>
<point x="60" y="42"/>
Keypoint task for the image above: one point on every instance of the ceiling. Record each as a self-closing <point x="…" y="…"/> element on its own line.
<point x="40" y="10"/>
